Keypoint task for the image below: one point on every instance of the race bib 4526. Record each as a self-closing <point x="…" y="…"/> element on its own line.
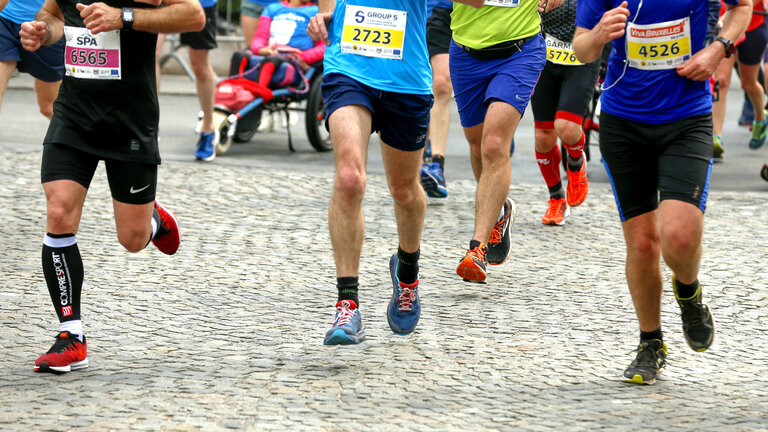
<point x="659" y="46"/>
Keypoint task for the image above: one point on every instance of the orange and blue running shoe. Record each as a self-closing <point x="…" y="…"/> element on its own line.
<point x="66" y="354"/>
<point x="167" y="237"/>
<point x="347" y="326"/>
<point x="557" y="211"/>
<point x="472" y="267"/>
<point x="578" y="184"/>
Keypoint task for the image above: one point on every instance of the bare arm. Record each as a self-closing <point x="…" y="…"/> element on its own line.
<point x="588" y="44"/>
<point x="176" y="16"/>
<point x="3" y="3"/>
<point x="703" y="64"/>
<point x="47" y="28"/>
<point x="318" y="24"/>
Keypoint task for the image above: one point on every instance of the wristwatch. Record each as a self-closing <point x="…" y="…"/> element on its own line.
<point x="127" y="18"/>
<point x="727" y="45"/>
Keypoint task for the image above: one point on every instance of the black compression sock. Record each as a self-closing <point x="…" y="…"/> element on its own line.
<point x="686" y="291"/>
<point x="656" y="334"/>
<point x="347" y="287"/>
<point x="63" y="271"/>
<point x="557" y="191"/>
<point x="407" y="266"/>
<point x="440" y="160"/>
<point x="575" y="164"/>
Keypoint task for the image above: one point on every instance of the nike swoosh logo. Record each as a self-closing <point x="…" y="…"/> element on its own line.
<point x="519" y="98"/>
<point x="135" y="191"/>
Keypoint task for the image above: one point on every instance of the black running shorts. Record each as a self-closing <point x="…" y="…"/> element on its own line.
<point x="563" y="92"/>
<point x="439" y="31"/>
<point x="130" y="182"/>
<point x="648" y="163"/>
<point x="205" y="39"/>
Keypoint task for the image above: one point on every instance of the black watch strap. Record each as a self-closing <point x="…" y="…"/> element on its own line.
<point x="727" y="45"/>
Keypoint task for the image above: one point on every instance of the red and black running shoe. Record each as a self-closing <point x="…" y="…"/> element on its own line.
<point x="66" y="354"/>
<point x="167" y="237"/>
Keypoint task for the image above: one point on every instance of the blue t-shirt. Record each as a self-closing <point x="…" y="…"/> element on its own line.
<point x="289" y="24"/>
<point x="651" y="96"/>
<point x="263" y="2"/>
<point x="410" y="74"/>
<point x="21" y="11"/>
<point x="444" y="4"/>
<point x="207" y="3"/>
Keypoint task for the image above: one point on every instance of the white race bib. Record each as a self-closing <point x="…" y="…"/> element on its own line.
<point x="92" y="56"/>
<point x="659" y="46"/>
<point x="503" y="3"/>
<point x="560" y="52"/>
<point x="374" y="32"/>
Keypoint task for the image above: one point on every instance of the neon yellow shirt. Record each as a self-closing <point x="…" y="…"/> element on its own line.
<point x="491" y="25"/>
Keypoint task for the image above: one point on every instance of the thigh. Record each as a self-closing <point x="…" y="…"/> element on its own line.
<point x="578" y="87"/>
<point x="470" y="78"/>
<point x="45" y="64"/>
<point x="132" y="182"/>
<point x="339" y="91"/>
<point x="750" y="52"/>
<point x="515" y="78"/>
<point x="631" y="164"/>
<point x="685" y="164"/>
<point x="350" y="129"/>
<point x="63" y="162"/>
<point x="10" y="46"/>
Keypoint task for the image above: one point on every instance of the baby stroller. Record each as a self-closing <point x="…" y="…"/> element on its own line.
<point x="240" y="100"/>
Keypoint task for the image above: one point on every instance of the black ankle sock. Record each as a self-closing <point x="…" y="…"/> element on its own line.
<point x="557" y="191"/>
<point x="656" y="334"/>
<point x="474" y="243"/>
<point x="407" y="266"/>
<point x="347" y="287"/>
<point x="440" y="160"/>
<point x="574" y="164"/>
<point x="63" y="271"/>
<point x="685" y="291"/>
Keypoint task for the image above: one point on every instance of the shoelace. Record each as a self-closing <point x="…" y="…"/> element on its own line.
<point x="407" y="296"/>
<point x="693" y="313"/>
<point x="496" y="233"/>
<point x="555" y="207"/>
<point x="345" y="314"/>
<point x="63" y="344"/>
<point x="646" y="355"/>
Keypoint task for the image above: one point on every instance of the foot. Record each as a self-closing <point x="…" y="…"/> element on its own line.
<point x="759" y="129"/>
<point x="578" y="184"/>
<point x="472" y="267"/>
<point x="347" y="326"/>
<point x="206" y="149"/>
<point x="433" y="180"/>
<point x="557" y="211"/>
<point x="167" y="237"/>
<point x="648" y="364"/>
<point x="404" y="308"/>
<point x="764" y="172"/>
<point x="718" y="150"/>
<point x="66" y="354"/>
<point x="500" y="243"/>
<point x="698" y="322"/>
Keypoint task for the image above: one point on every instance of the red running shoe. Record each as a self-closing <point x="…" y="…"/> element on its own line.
<point x="66" y="354"/>
<point x="578" y="184"/>
<point x="167" y="237"/>
<point x="472" y="267"/>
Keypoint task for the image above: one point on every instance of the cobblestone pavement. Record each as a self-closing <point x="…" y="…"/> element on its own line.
<point x="227" y="334"/>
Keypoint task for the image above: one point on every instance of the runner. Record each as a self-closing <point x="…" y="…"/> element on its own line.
<point x="377" y="78"/>
<point x="106" y="110"/>
<point x="496" y="56"/>
<point x="656" y="144"/>
<point x="46" y="65"/>
<point x="438" y="42"/>
<point x="559" y="102"/>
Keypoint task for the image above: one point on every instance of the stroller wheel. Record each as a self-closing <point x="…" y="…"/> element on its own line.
<point x="222" y="138"/>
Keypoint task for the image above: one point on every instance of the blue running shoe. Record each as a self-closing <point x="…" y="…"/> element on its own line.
<point x="404" y="308"/>
<point x="433" y="180"/>
<point x="747" y="113"/>
<point x="759" y="129"/>
<point x="427" y="151"/>
<point x="512" y="148"/>
<point x="347" y="326"/>
<point x="206" y="150"/>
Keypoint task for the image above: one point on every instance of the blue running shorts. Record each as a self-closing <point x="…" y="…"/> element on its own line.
<point x="45" y="64"/>
<point x="512" y="80"/>
<point x="400" y="118"/>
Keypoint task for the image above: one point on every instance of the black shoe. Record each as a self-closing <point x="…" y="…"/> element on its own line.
<point x="648" y="364"/>
<point x="500" y="242"/>
<point x="698" y="322"/>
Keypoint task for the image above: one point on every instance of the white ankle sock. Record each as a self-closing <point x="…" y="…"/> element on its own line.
<point x="75" y="327"/>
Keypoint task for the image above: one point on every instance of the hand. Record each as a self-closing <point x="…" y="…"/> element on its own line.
<point x="99" y="17"/>
<point x="267" y="51"/>
<point x="548" y="5"/>
<point x="703" y="64"/>
<point x="612" y="24"/>
<point x="33" y="34"/>
<point x="318" y="27"/>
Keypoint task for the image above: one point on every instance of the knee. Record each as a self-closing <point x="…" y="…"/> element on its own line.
<point x="570" y="132"/>
<point x="546" y="140"/>
<point x="646" y="247"/>
<point x="350" y="183"/>
<point x="133" y="239"/>
<point x="202" y="70"/>
<point x="494" y="148"/>
<point x="441" y="87"/>
<point x="679" y="241"/>
<point x="62" y="216"/>
<point x="46" y="110"/>
<point x="405" y="193"/>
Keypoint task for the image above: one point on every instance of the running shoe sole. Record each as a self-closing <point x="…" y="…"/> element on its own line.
<point x="505" y="231"/>
<point x="176" y="239"/>
<point x="638" y="379"/>
<point x="470" y="271"/>
<point x="340" y="337"/>
<point x="565" y="215"/>
<point x="62" y="369"/>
